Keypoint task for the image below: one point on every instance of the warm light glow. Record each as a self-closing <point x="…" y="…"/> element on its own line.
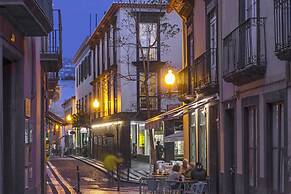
<point x="96" y="104"/>
<point x="69" y="118"/>
<point x="170" y="78"/>
<point x="106" y="124"/>
<point x="57" y="126"/>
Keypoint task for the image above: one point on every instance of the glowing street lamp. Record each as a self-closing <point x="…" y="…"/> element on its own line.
<point x="69" y="118"/>
<point x="170" y="78"/>
<point x="96" y="104"/>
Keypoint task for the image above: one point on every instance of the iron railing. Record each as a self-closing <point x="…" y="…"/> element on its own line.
<point x="204" y="70"/>
<point x="52" y="76"/>
<point x="153" y="102"/>
<point x="282" y="20"/>
<point x="245" y="46"/>
<point x="52" y="44"/>
<point x="46" y="7"/>
<point x="184" y="81"/>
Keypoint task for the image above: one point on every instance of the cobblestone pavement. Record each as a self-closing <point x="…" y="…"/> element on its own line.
<point x="62" y="178"/>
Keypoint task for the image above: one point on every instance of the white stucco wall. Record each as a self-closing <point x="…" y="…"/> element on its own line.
<point x="85" y="88"/>
<point x="171" y="54"/>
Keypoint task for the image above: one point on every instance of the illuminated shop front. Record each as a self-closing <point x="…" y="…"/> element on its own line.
<point x="168" y="130"/>
<point x="140" y="142"/>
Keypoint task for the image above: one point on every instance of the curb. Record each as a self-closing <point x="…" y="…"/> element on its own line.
<point x="105" y="171"/>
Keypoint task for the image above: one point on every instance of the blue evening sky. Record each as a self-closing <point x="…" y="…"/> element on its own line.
<point x="76" y="21"/>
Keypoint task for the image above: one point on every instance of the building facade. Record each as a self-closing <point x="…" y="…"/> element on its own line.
<point x="118" y="124"/>
<point x="198" y="84"/>
<point x="23" y="88"/>
<point x="255" y="96"/>
<point x="84" y="95"/>
<point x="69" y="107"/>
<point x="242" y="137"/>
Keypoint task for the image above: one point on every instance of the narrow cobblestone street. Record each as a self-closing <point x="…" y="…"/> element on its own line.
<point x="62" y="178"/>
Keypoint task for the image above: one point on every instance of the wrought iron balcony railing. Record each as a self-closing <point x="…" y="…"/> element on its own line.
<point x="51" y="46"/>
<point x="204" y="72"/>
<point x="153" y="102"/>
<point x="244" y="52"/>
<point x="282" y="21"/>
<point x="51" y="43"/>
<point x="46" y="7"/>
<point x="184" y="81"/>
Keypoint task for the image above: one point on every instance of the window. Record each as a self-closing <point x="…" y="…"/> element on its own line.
<point x="98" y="59"/>
<point x="202" y="138"/>
<point x="89" y="64"/>
<point x="148" y="41"/>
<point x="115" y="89"/>
<point x="190" y="40"/>
<point x="193" y="137"/>
<point x="103" y="54"/>
<point x="213" y="45"/>
<point x="86" y="104"/>
<point x="108" y="48"/>
<point x="28" y="154"/>
<point x="278" y="147"/>
<point x="252" y="142"/>
<point x="152" y="89"/>
<point x="90" y="102"/>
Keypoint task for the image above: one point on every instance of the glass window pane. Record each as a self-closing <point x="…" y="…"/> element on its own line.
<point x="148" y="34"/>
<point x="202" y="142"/>
<point x="193" y="137"/>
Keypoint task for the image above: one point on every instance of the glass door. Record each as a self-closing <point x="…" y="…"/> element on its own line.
<point x="278" y="149"/>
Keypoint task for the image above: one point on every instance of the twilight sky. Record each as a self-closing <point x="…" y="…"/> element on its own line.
<point x="76" y="21"/>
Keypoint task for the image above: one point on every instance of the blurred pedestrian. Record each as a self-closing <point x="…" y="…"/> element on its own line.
<point x="111" y="163"/>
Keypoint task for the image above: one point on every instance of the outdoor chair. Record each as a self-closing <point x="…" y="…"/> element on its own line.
<point x="174" y="187"/>
<point x="148" y="185"/>
<point x="196" y="188"/>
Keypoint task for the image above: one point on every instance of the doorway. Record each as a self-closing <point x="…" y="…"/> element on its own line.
<point x="7" y="128"/>
<point x="230" y="168"/>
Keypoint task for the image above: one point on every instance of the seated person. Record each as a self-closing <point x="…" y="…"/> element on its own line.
<point x="175" y="175"/>
<point x="198" y="173"/>
<point x="186" y="168"/>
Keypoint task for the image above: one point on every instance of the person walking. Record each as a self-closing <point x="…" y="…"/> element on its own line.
<point x="111" y="163"/>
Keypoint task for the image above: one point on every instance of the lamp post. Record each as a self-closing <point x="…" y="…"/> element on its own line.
<point x="170" y="78"/>
<point x="69" y="118"/>
<point x="96" y="106"/>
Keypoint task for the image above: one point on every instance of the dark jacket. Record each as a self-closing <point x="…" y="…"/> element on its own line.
<point x="198" y="174"/>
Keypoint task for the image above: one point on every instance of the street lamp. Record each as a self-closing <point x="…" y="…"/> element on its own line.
<point x="170" y="78"/>
<point x="96" y="104"/>
<point x="69" y="118"/>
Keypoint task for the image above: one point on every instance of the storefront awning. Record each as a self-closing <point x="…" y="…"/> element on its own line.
<point x="177" y="113"/>
<point x="178" y="136"/>
<point x="156" y="122"/>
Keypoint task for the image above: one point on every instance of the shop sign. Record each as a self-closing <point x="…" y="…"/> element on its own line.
<point x="27" y="107"/>
<point x="141" y="139"/>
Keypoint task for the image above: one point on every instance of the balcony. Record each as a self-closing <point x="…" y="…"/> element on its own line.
<point x="52" y="80"/>
<point x="31" y="17"/>
<point x="51" y="47"/>
<point x="184" y="85"/>
<point x="244" y="53"/>
<point x="282" y="12"/>
<point x="204" y="73"/>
